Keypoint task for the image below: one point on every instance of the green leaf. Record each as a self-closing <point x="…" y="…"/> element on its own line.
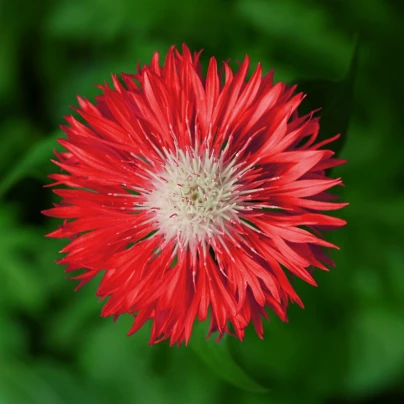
<point x="70" y="322"/>
<point x="377" y="350"/>
<point x="29" y="164"/>
<point x="20" y="284"/>
<point x="66" y="382"/>
<point x="217" y="357"/>
<point x="13" y="340"/>
<point x="76" y="20"/>
<point x="20" y="384"/>
<point x="336" y="98"/>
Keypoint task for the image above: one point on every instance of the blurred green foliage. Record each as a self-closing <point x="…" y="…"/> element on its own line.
<point x="345" y="347"/>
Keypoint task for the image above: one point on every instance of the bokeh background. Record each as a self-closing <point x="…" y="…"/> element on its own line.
<point x="345" y="347"/>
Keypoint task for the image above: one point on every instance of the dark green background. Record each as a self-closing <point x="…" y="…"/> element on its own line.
<point x="345" y="347"/>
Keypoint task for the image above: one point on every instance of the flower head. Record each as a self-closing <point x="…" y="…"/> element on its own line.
<point x="195" y="197"/>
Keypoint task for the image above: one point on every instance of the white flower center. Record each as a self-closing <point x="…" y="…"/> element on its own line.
<point x="195" y="197"/>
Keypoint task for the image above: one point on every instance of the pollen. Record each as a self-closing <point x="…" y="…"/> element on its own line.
<point x="196" y="197"/>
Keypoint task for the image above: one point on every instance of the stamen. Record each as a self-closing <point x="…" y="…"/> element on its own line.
<point x="196" y="198"/>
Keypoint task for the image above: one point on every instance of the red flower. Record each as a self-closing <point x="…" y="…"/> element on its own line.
<point x="191" y="195"/>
